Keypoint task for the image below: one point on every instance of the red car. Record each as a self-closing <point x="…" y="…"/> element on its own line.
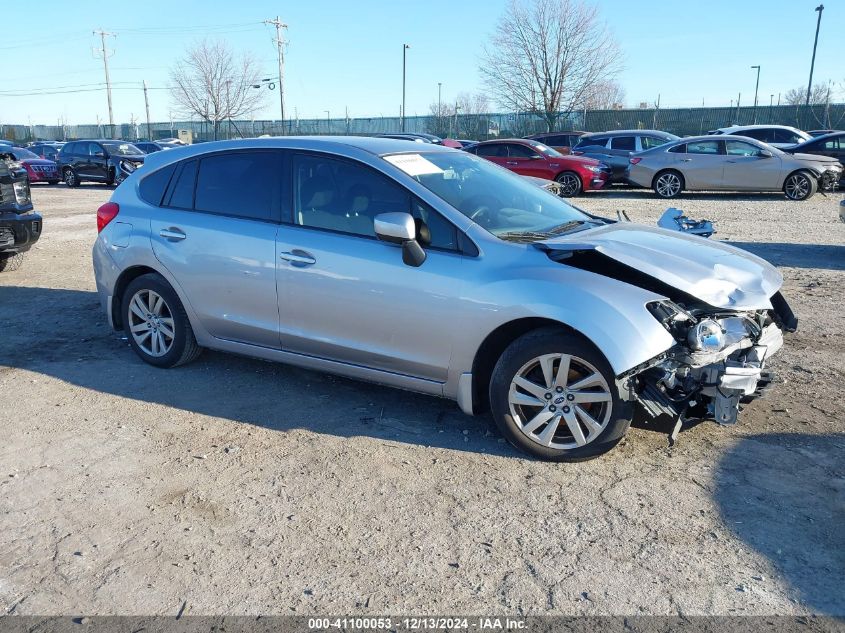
<point x="530" y="158"/>
<point x="38" y="169"/>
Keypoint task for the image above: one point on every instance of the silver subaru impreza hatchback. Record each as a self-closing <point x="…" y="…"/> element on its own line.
<point x="433" y="270"/>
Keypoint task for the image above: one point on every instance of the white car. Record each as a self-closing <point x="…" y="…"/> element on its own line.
<point x="779" y="136"/>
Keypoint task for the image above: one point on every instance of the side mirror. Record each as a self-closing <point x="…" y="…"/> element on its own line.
<point x="99" y="154"/>
<point x="399" y="228"/>
<point x="764" y="153"/>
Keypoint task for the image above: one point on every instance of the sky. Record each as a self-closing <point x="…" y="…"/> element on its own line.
<point x="344" y="55"/>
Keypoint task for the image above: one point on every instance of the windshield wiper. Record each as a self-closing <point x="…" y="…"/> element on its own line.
<point x="567" y="226"/>
<point x="524" y="236"/>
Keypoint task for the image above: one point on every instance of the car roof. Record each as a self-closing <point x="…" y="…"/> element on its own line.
<point x="626" y="133"/>
<point x="376" y="145"/>
<point x="761" y="127"/>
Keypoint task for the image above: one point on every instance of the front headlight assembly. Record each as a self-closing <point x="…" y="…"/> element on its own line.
<point x="706" y="336"/>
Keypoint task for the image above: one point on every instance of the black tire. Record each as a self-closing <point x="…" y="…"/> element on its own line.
<point x="585" y="359"/>
<point x="570" y="184"/>
<point x="800" y="185"/>
<point x="10" y="261"/>
<point x="668" y="183"/>
<point x="70" y="177"/>
<point x="183" y="347"/>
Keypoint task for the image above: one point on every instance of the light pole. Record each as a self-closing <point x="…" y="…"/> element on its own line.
<point x="328" y="122"/>
<point x="439" y="106"/>
<point x="756" y="88"/>
<point x="819" y="8"/>
<point x="405" y="48"/>
<point x="771" y="103"/>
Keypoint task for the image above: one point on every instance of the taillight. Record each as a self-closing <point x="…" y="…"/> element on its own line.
<point x="106" y="214"/>
<point x="634" y="161"/>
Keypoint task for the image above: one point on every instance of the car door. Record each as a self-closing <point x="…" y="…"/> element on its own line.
<point x="526" y="161"/>
<point x="215" y="232"/>
<point x="702" y="164"/>
<point x="746" y="168"/>
<point x="346" y="296"/>
<point x="98" y="165"/>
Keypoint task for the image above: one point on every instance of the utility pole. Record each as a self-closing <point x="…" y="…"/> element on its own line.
<point x="738" y="97"/>
<point x="105" y="54"/>
<point x="280" y="48"/>
<point x="819" y="9"/>
<point x="439" y="106"/>
<point x="405" y="48"/>
<point x="756" y="88"/>
<point x="147" y="106"/>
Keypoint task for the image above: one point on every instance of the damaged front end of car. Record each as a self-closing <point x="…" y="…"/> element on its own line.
<point x="722" y="307"/>
<point x="718" y="361"/>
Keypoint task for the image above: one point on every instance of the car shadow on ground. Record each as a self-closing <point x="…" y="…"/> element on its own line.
<point x="783" y="494"/>
<point x="823" y="256"/>
<point x="70" y="340"/>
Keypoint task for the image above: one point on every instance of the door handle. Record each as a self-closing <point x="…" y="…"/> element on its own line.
<point x="686" y="160"/>
<point x="298" y="257"/>
<point x="512" y="162"/>
<point x="173" y="234"/>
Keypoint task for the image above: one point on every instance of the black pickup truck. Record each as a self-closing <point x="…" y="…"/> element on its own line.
<point x="20" y="226"/>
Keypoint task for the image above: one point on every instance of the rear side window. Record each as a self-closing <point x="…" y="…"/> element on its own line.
<point x="625" y="143"/>
<point x="181" y="194"/>
<point x="152" y="187"/>
<point x="760" y="135"/>
<point x="245" y="184"/>
<point x="679" y="149"/>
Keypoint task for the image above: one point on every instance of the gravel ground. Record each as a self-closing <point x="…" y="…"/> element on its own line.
<point x="235" y="486"/>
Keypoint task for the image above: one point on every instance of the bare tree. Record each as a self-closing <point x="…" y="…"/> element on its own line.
<point x="546" y="55"/>
<point x="465" y="117"/>
<point x="605" y="95"/>
<point x="798" y="96"/>
<point x="211" y="82"/>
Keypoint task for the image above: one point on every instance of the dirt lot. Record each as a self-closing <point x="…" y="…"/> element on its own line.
<point x="240" y="487"/>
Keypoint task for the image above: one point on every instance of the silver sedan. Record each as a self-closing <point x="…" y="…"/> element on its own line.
<point x="730" y="163"/>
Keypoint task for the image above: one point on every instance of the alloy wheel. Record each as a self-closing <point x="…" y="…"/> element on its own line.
<point x="797" y="187"/>
<point x="70" y="178"/>
<point x="151" y="323"/>
<point x="668" y="185"/>
<point x="569" y="185"/>
<point x="560" y="401"/>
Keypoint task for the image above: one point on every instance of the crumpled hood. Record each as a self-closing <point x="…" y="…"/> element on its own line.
<point x="720" y="275"/>
<point x="826" y="160"/>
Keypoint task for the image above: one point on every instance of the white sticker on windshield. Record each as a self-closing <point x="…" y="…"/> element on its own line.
<point x="413" y="164"/>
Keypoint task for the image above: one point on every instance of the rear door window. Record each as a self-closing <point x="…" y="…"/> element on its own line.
<point x="652" y="141"/>
<point x="152" y="187"/>
<point x="624" y="143"/>
<point x="243" y="184"/>
<point x="704" y="147"/>
<point x="520" y="151"/>
<point x="494" y="149"/>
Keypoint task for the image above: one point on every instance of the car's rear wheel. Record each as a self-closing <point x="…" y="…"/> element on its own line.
<point x="668" y="184"/>
<point x="156" y="323"/>
<point x="800" y="186"/>
<point x="553" y="396"/>
<point x="70" y="177"/>
<point x="10" y="261"/>
<point x="570" y="184"/>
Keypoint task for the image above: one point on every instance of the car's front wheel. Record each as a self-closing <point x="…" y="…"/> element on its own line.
<point x="668" y="184"/>
<point x="570" y="184"/>
<point x="553" y="396"/>
<point x="156" y="323"/>
<point x="800" y="186"/>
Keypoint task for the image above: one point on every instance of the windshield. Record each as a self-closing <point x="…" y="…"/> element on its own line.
<point x="23" y="154"/>
<point x="507" y="205"/>
<point x="122" y="149"/>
